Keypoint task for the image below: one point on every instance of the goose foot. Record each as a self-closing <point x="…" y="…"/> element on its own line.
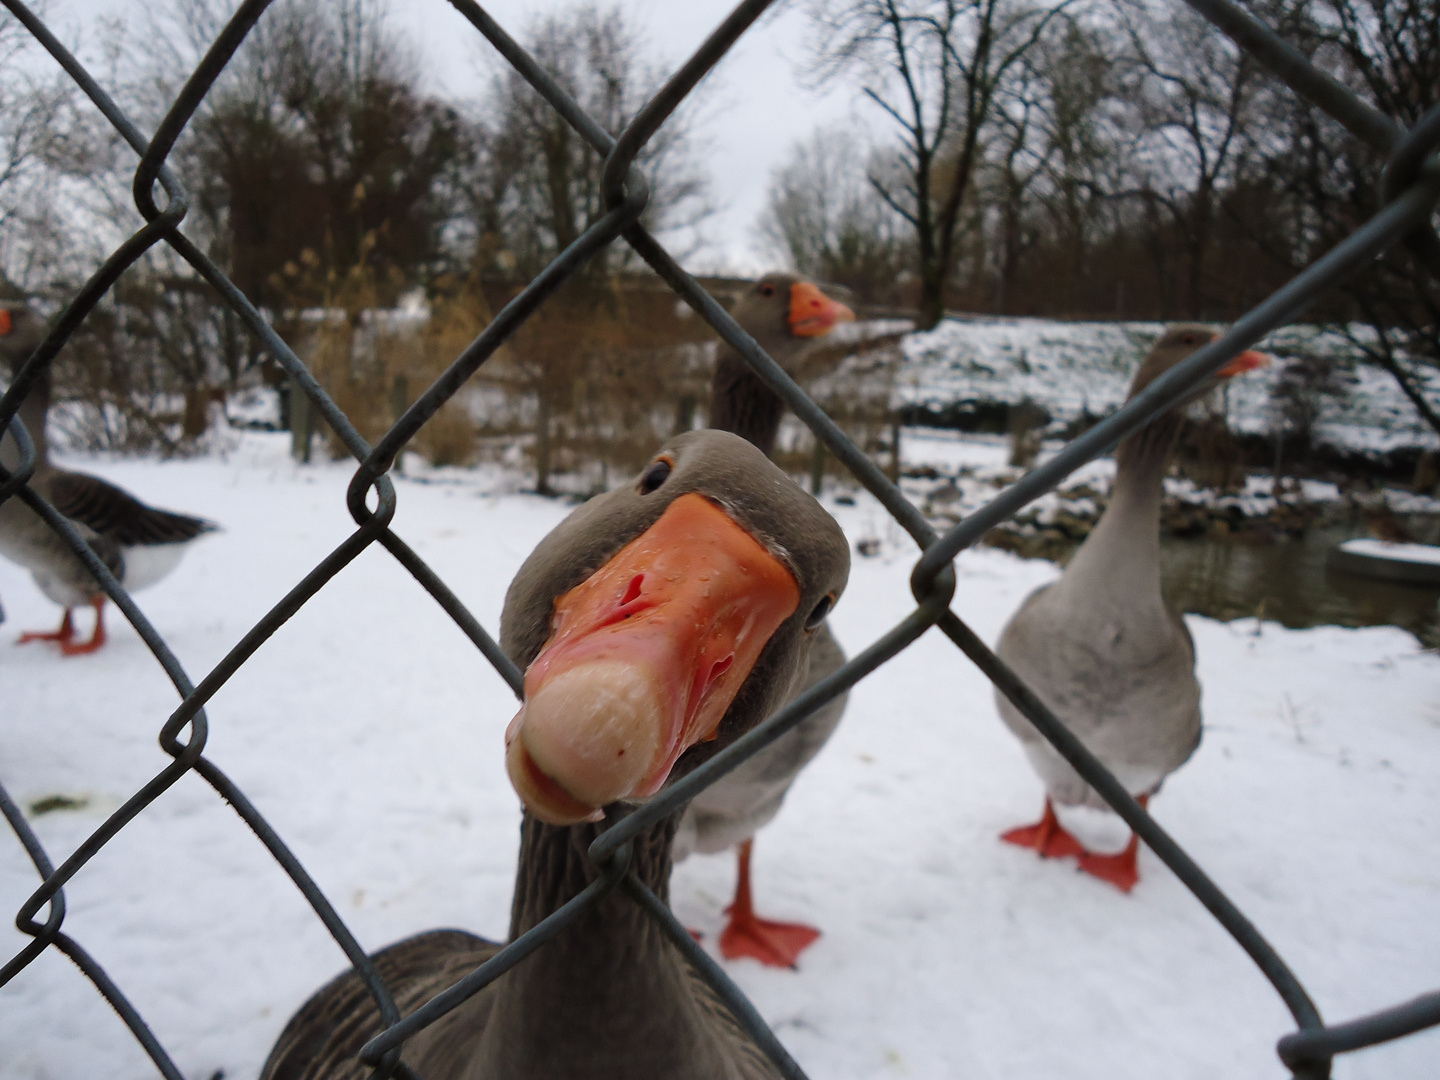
<point x="777" y="944"/>
<point x="65" y="634"/>
<point x="1119" y="869"/>
<point x="1047" y="836"/>
<point x="72" y="648"/>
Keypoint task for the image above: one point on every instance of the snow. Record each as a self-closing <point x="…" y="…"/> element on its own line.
<point x="1428" y="554"/>
<point x="953" y="474"/>
<point x="1074" y="368"/>
<point x="369" y="732"/>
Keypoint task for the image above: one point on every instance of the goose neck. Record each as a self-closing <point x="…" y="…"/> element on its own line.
<point x="608" y="996"/>
<point x="1141" y="462"/>
<point x="743" y="405"/>
<point x="555" y="865"/>
<point x="1121" y="556"/>
<point x="32" y="413"/>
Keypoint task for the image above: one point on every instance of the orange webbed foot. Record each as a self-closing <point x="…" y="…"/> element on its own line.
<point x="70" y="647"/>
<point x="64" y="635"/>
<point x="1047" y="836"/>
<point x="777" y="944"/>
<point x="1120" y="869"/>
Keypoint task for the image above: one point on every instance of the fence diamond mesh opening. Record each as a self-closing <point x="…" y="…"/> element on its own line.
<point x="1412" y="186"/>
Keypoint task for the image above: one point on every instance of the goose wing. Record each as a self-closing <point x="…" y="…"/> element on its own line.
<point x="118" y="515"/>
<point x="321" y="1041"/>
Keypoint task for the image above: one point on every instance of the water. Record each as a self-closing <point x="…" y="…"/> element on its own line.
<point x="1288" y="582"/>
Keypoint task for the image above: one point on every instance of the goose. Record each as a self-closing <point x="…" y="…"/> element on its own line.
<point x="139" y="543"/>
<point x="655" y="625"/>
<point x="784" y="313"/>
<point x="1102" y="647"/>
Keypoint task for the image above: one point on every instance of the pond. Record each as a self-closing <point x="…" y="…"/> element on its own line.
<point x="1289" y="582"/>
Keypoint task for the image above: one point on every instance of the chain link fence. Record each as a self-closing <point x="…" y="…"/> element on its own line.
<point x="1411" y="189"/>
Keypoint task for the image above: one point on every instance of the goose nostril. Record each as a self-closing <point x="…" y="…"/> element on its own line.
<point x="632" y="591"/>
<point x="719" y="668"/>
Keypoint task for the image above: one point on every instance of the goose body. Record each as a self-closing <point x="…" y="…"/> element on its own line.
<point x="138" y="543"/>
<point x="784" y="313"/>
<point x="1102" y="647"/>
<point x="656" y="625"/>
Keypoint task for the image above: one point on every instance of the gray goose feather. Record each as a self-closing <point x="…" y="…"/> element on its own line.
<point x="138" y="543"/>
<point x="611" y="997"/>
<point x="1101" y="646"/>
<point x="733" y="810"/>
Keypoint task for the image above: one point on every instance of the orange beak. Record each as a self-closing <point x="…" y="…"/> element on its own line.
<point x="1246" y="361"/>
<point x="812" y="313"/>
<point x="644" y="658"/>
<point x="5" y="324"/>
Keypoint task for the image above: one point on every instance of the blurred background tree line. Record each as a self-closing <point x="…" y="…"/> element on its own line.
<point x="1084" y="159"/>
<point x="1118" y="159"/>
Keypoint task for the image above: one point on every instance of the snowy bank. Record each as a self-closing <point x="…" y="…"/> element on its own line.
<point x="1072" y="369"/>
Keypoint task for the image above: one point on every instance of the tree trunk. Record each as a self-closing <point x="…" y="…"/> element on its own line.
<point x="196" y="418"/>
<point x="932" y="275"/>
<point x="1197" y="243"/>
<point x="932" y="298"/>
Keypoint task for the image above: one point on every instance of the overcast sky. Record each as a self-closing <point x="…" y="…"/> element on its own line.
<point x="757" y="104"/>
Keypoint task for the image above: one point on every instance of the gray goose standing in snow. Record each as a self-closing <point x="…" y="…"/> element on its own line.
<point x="784" y="313"/>
<point x="138" y="543"/>
<point x="1103" y="649"/>
<point x="656" y="624"/>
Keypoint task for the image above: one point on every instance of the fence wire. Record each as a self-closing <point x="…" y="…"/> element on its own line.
<point x="1411" y="189"/>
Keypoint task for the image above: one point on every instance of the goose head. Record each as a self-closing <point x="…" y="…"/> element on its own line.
<point x="21" y="332"/>
<point x="783" y="311"/>
<point x="661" y="621"/>
<point x="1180" y="341"/>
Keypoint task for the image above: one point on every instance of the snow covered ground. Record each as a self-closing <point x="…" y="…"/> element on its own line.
<point x="369" y="732"/>
<point x="1075" y="367"/>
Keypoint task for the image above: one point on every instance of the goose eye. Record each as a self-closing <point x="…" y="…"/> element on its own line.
<point x="767" y="289"/>
<point x="821" y="610"/>
<point x="655" y="475"/>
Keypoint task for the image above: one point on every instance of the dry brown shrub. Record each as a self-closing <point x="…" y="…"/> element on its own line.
<point x="375" y="363"/>
<point x="449" y="437"/>
<point x="603" y="369"/>
<point x="591" y="385"/>
<point x="853" y="380"/>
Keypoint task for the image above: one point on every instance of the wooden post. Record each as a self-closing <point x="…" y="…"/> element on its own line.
<point x="542" y="445"/>
<point x="817" y="468"/>
<point x="302" y="423"/>
<point x="685" y="413"/>
<point x="399" y="402"/>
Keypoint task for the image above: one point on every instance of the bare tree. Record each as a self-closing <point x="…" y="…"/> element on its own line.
<point x="1191" y="94"/>
<point x="934" y="68"/>
<point x="1323" y="182"/>
<point x="320" y="140"/>
<point x="1083" y="145"/>
<point x="534" y="185"/>
<point x="537" y="185"/>
<point x="825" y="219"/>
<point x="43" y="137"/>
<point x="1018" y="157"/>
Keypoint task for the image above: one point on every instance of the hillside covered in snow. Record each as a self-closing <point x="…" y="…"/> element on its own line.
<point x="1072" y="369"/>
